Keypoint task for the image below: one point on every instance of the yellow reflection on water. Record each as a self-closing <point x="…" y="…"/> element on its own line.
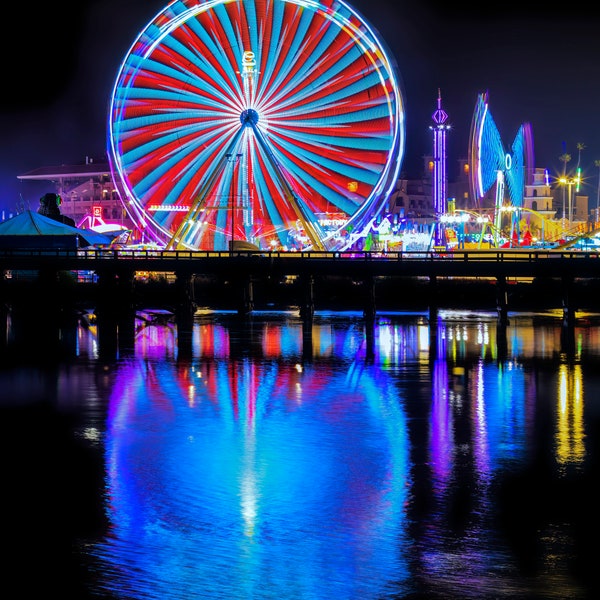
<point x="570" y="434"/>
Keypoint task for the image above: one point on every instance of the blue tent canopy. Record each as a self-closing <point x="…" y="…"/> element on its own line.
<point x="30" y="229"/>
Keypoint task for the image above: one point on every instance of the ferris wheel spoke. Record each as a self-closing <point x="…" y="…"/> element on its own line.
<point x="303" y="92"/>
<point x="183" y="165"/>
<point x="296" y="203"/>
<point x="199" y="203"/>
<point x="278" y="216"/>
<point x="311" y="174"/>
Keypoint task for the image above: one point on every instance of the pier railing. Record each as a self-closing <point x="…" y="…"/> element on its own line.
<point x="477" y="254"/>
<point x="244" y="272"/>
<point x="475" y="263"/>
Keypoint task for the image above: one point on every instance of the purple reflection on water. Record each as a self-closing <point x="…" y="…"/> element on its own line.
<point x="248" y="479"/>
<point x="269" y="459"/>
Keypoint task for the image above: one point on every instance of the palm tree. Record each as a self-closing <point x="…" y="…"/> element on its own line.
<point x="565" y="158"/>
<point x="580" y="147"/>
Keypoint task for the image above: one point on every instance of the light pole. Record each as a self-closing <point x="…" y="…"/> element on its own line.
<point x="564" y="158"/>
<point x="569" y="182"/>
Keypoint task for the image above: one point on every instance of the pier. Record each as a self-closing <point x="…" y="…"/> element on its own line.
<point x="365" y="280"/>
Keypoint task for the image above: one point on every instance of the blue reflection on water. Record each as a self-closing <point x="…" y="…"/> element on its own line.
<point x="276" y="460"/>
<point x="257" y="479"/>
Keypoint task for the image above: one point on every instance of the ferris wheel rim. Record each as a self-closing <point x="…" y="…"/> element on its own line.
<point x="263" y="120"/>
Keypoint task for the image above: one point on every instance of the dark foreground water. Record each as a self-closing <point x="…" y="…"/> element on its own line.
<point x="264" y="460"/>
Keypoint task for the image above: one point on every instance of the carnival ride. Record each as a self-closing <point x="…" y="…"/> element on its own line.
<point x="527" y="228"/>
<point x="275" y="122"/>
<point x="492" y="164"/>
<point x="465" y="229"/>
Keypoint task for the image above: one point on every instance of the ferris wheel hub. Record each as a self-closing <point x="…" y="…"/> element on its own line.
<point x="249" y="117"/>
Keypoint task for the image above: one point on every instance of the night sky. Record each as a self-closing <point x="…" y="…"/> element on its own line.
<point x="60" y="61"/>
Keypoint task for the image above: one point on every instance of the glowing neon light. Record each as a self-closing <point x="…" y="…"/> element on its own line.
<point x="155" y="207"/>
<point x="439" y="164"/>
<point x="210" y="79"/>
<point x="488" y="155"/>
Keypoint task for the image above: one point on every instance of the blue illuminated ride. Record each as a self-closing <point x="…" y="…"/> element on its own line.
<point x="492" y="164"/>
<point x="274" y="122"/>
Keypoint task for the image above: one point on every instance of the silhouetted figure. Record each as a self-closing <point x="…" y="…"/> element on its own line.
<point x="50" y="207"/>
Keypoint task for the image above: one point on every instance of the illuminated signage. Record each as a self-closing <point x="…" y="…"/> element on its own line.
<point x="167" y="208"/>
<point x="248" y="61"/>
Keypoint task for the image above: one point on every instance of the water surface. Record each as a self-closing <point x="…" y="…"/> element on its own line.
<point x="267" y="459"/>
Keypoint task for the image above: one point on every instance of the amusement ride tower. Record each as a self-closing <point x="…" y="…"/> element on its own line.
<point x="439" y="167"/>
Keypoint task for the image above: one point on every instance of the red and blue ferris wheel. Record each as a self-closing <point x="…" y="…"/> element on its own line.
<point x="276" y="122"/>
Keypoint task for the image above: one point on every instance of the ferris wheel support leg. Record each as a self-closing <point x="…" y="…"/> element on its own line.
<point x="498" y="204"/>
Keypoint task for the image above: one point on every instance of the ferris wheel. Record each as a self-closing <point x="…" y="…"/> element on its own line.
<point x="275" y="122"/>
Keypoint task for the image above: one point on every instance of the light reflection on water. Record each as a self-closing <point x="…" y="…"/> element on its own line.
<point x="272" y="460"/>
<point x="248" y="478"/>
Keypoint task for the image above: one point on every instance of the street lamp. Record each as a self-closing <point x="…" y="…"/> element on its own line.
<point x="564" y="158"/>
<point x="570" y="182"/>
